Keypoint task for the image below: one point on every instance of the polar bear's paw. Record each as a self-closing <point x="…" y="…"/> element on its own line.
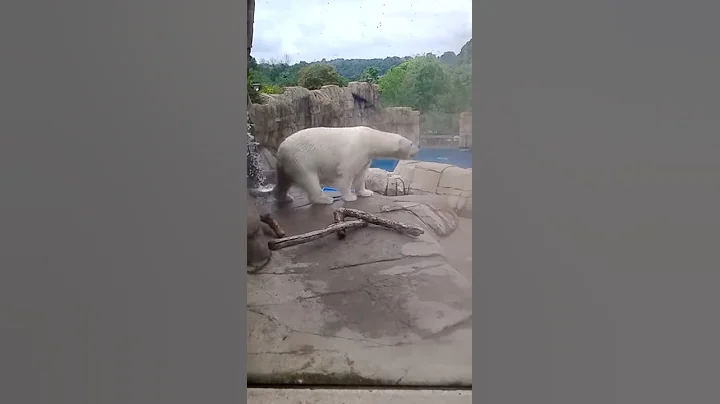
<point x="350" y="198"/>
<point x="365" y="193"/>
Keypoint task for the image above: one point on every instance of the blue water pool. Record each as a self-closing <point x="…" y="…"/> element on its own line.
<point x="457" y="157"/>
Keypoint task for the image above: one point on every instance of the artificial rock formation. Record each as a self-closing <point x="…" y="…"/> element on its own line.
<point x="258" y="251"/>
<point x="385" y="183"/>
<point x="279" y="115"/>
<point x="427" y="178"/>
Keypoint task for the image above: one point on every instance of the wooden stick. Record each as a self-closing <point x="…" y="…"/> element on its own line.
<point x="285" y="242"/>
<point x="376" y="220"/>
<point x="274" y="225"/>
<point x="340" y="227"/>
<point x="339" y="218"/>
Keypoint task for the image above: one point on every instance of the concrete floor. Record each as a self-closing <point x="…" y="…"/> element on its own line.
<point x="458" y="247"/>
<point x="328" y="396"/>
<point x="377" y="308"/>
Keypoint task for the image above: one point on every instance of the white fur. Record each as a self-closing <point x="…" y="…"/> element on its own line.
<point x="337" y="157"/>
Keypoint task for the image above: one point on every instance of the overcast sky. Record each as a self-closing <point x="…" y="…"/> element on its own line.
<point x="311" y="30"/>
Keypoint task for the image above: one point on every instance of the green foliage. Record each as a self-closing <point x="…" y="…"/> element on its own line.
<point x="463" y="58"/>
<point x="283" y="74"/>
<point x="433" y="85"/>
<point x="465" y="54"/>
<point x="427" y="81"/>
<point x="391" y="86"/>
<point x="458" y="94"/>
<point x="271" y="89"/>
<point x="316" y="75"/>
<point x="253" y="94"/>
<point x="427" y="84"/>
<point x="370" y="75"/>
<point x="353" y="69"/>
<point x="252" y="78"/>
<point x="449" y="58"/>
<point x="277" y="73"/>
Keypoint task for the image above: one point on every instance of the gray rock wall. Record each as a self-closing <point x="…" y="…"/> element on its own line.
<point x="279" y="115"/>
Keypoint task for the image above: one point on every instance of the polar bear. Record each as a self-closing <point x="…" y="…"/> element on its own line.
<point x="339" y="157"/>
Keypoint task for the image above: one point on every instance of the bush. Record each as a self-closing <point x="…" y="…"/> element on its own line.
<point x="317" y="75"/>
<point x="271" y="89"/>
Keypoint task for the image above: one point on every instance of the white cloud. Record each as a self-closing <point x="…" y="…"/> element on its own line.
<point x="311" y="30"/>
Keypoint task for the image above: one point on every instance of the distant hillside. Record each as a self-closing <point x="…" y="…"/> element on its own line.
<point x="462" y="58"/>
<point x="353" y="68"/>
<point x="274" y="75"/>
<point x="465" y="54"/>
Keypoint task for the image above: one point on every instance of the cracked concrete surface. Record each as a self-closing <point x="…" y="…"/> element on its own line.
<point x="378" y="308"/>
<point x="327" y="396"/>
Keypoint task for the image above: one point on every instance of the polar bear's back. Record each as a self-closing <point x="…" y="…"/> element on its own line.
<point x="322" y="149"/>
<point x="334" y="152"/>
<point x="325" y="138"/>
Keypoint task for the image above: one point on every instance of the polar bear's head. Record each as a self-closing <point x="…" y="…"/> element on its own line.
<point x="382" y="144"/>
<point x="406" y="149"/>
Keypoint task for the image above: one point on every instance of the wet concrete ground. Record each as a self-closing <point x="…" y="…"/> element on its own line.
<point x="377" y="308"/>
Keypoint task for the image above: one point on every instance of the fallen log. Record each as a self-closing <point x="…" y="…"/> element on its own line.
<point x="273" y="224"/>
<point x="340" y="214"/>
<point x="340" y="226"/>
<point x="285" y="242"/>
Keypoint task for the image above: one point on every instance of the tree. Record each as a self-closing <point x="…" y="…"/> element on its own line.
<point x="434" y="83"/>
<point x="253" y="76"/>
<point x="316" y="75"/>
<point x="426" y="81"/>
<point x="354" y="68"/>
<point x="418" y="83"/>
<point x="458" y="97"/>
<point x="465" y="55"/>
<point x="370" y="75"/>
<point x="392" y="91"/>
<point x="449" y="58"/>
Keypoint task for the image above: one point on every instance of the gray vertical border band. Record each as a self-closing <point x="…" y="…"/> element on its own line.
<point x="597" y="141"/>
<point x="122" y="196"/>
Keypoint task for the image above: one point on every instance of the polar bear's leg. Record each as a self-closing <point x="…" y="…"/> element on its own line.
<point x="345" y="189"/>
<point x="282" y="186"/>
<point x="359" y="182"/>
<point x="344" y="186"/>
<point x="309" y="181"/>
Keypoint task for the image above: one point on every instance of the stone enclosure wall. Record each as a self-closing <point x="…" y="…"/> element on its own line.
<point x="279" y="115"/>
<point x="426" y="178"/>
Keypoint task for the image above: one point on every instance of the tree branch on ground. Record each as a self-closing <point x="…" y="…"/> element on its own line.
<point x="340" y="226"/>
